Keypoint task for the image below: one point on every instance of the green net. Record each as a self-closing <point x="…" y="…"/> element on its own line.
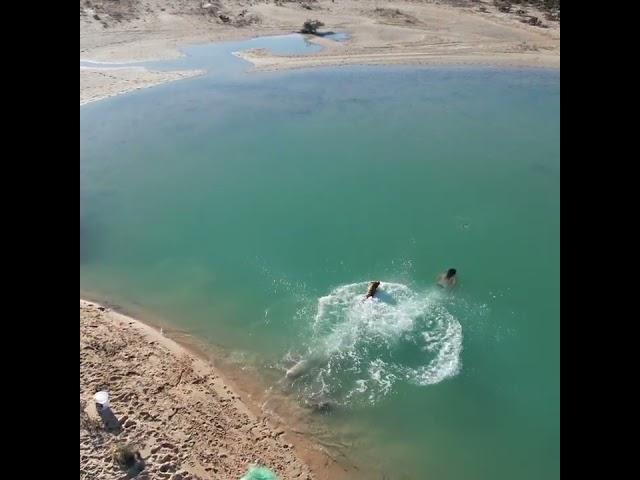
<point x="259" y="473"/>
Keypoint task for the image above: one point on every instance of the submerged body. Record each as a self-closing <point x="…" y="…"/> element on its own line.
<point x="303" y="366"/>
<point x="447" y="279"/>
<point x="297" y="370"/>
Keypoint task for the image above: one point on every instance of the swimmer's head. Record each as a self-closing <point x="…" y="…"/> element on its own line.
<point x="451" y="272"/>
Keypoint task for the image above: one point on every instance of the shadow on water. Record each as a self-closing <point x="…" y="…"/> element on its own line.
<point x="321" y="34"/>
<point x="335" y="36"/>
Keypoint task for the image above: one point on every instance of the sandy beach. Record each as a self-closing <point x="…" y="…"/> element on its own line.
<point x="97" y="84"/>
<point x="176" y="409"/>
<point x="397" y="32"/>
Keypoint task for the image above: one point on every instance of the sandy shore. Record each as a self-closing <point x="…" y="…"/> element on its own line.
<point x="396" y="32"/>
<point x="264" y="62"/>
<point x="176" y="409"/>
<point x="97" y="84"/>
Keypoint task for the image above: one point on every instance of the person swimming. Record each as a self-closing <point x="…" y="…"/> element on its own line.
<point x="371" y="290"/>
<point x="447" y="279"/>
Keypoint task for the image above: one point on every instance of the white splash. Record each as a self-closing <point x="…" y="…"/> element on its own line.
<point x="359" y="349"/>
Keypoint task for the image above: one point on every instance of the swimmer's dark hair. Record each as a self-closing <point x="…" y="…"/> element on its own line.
<point x="451" y="272"/>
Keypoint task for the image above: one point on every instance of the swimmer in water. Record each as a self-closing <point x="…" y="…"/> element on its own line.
<point x="371" y="290"/>
<point x="447" y="279"/>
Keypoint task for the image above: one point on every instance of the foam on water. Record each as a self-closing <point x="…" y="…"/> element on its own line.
<point x="358" y="350"/>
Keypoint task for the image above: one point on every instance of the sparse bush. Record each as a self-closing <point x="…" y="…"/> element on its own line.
<point x="244" y="20"/>
<point x="311" y="27"/>
<point x="389" y="12"/>
<point x="551" y="6"/>
<point x="534" y="21"/>
<point x="553" y="17"/>
<point x="524" y="46"/>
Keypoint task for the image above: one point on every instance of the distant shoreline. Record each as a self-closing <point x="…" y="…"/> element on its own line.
<point x="401" y="33"/>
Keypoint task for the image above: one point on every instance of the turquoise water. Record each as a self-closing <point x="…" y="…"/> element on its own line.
<point x="251" y="209"/>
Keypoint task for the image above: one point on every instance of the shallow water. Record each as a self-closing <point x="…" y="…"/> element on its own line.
<point x="216" y="56"/>
<point x="252" y="208"/>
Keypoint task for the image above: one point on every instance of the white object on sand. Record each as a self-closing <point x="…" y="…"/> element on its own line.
<point x="102" y="399"/>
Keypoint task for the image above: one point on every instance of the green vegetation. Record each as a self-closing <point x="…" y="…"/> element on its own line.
<point x="311" y="26"/>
